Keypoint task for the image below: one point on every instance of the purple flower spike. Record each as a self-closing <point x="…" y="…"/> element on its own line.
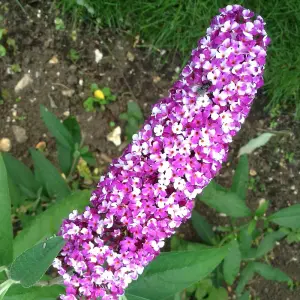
<point x="148" y="192"/>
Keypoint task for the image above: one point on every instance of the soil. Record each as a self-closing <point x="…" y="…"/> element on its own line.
<point x="144" y="78"/>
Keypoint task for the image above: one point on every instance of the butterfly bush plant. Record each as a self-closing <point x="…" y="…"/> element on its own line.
<point x="111" y="250"/>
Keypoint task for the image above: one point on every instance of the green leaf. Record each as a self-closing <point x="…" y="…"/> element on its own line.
<point x="252" y="226"/>
<point x="268" y="242"/>
<point x="6" y="230"/>
<point x="16" y="197"/>
<point x="17" y="292"/>
<point x="112" y="98"/>
<point x="178" y="244"/>
<point x="203" y="228"/>
<point x="218" y="294"/>
<point x="246" y="275"/>
<point x="89" y="158"/>
<point x="74" y="129"/>
<point x="288" y="217"/>
<point x="245" y="242"/>
<point x="271" y="273"/>
<point x="224" y="201"/>
<point x="203" y="288"/>
<point x="57" y="129"/>
<point x="2" y="51"/>
<point x="262" y="208"/>
<point x="65" y="158"/>
<point x="106" y="91"/>
<point x="88" y="104"/>
<point x="232" y="262"/>
<point x="21" y="175"/>
<point x="31" y="265"/>
<point x="123" y="116"/>
<point x="255" y="143"/>
<point x="134" y="110"/>
<point x="94" y="87"/>
<point x="245" y="296"/>
<point x="48" y="222"/>
<point x="293" y="237"/>
<point x="171" y="272"/>
<point x="240" y="178"/>
<point x="134" y="297"/>
<point x="48" y="175"/>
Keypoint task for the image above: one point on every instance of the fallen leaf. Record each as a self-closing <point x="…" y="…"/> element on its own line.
<point x="25" y="81"/>
<point x="115" y="136"/>
<point x="255" y="143"/>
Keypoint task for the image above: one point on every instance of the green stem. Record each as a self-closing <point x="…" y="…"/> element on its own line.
<point x="5" y="286"/>
<point x="73" y="167"/>
<point x="54" y="281"/>
<point x="225" y="239"/>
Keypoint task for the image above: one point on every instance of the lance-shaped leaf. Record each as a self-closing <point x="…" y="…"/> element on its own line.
<point x="171" y="272"/>
<point x="240" y="178"/>
<point x="271" y="273"/>
<point x="49" y="176"/>
<point x="57" y="129"/>
<point x="17" y="292"/>
<point x="268" y="242"/>
<point x="224" y="201"/>
<point x="48" y="222"/>
<point x="31" y="265"/>
<point x="232" y="262"/>
<point x="21" y="175"/>
<point x="6" y="231"/>
<point x="203" y="228"/>
<point x="288" y="217"/>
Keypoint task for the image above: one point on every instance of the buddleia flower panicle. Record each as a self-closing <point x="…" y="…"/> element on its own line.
<point x="149" y="191"/>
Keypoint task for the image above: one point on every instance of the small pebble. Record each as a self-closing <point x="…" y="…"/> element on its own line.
<point x="130" y="56"/>
<point x="66" y="113"/>
<point x="5" y="145"/>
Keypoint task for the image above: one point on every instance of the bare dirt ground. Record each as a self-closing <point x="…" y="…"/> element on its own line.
<point x="132" y="74"/>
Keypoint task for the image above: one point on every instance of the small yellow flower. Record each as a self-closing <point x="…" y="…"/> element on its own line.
<point x="99" y="94"/>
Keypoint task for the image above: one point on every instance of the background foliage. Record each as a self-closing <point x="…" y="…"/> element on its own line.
<point x="177" y="25"/>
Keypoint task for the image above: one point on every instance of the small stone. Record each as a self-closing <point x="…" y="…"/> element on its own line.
<point x="23" y="83"/>
<point x="53" y="60"/>
<point x="5" y="145"/>
<point x="115" y="136"/>
<point x="41" y="146"/>
<point x="72" y="80"/>
<point x="81" y="82"/>
<point x="66" y="113"/>
<point x="177" y="70"/>
<point x="163" y="52"/>
<point x="98" y="56"/>
<point x="252" y="172"/>
<point x="156" y="79"/>
<point x="130" y="56"/>
<point x="20" y="134"/>
<point x="68" y="93"/>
